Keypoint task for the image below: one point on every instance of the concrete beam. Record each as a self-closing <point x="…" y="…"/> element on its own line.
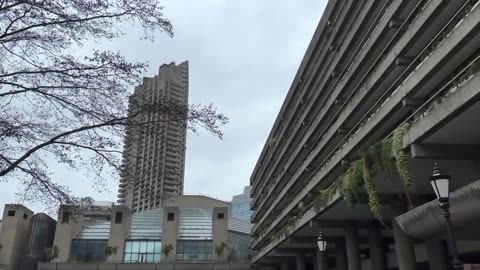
<point x="452" y="106"/>
<point x="412" y="102"/>
<point x="445" y="151"/>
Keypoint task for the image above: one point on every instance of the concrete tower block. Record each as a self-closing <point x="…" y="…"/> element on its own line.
<point x="13" y="236"/>
<point x="171" y="222"/>
<point x="121" y="222"/>
<point x="220" y="231"/>
<point x="69" y="224"/>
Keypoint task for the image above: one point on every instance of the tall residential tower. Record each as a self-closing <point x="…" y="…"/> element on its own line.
<point x="154" y="158"/>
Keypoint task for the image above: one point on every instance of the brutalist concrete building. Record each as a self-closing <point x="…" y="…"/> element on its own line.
<point x="385" y="90"/>
<point x="154" y="156"/>
<point x="188" y="230"/>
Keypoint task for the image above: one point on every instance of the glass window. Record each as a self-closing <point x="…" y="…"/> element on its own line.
<point x="194" y="250"/>
<point x="143" y="247"/>
<point x="88" y="250"/>
<point x="143" y="251"/>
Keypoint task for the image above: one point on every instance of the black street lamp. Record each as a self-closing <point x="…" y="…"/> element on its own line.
<point x="322" y="248"/>
<point x="441" y="185"/>
<point x="322" y="243"/>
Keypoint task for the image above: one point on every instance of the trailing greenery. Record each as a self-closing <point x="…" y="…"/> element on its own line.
<point x="401" y="160"/>
<point x="324" y="196"/>
<point x="373" y="198"/>
<point x="351" y="181"/>
<point x="386" y="156"/>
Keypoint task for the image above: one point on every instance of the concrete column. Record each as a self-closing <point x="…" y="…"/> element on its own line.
<point x="300" y="260"/>
<point x="14" y="235"/>
<point x="284" y="264"/>
<point x="171" y="222"/>
<point x="121" y="221"/>
<point x="220" y="232"/>
<point x="377" y="253"/>
<point x="340" y="254"/>
<point x="404" y="248"/>
<point x="320" y="261"/>
<point x="437" y="255"/>
<point x="69" y="224"/>
<point x="353" y="250"/>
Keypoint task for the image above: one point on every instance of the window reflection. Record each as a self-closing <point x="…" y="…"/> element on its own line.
<point x="144" y="251"/>
<point x="194" y="250"/>
<point x="85" y="250"/>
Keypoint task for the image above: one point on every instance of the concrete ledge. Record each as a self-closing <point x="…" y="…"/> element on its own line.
<point x="438" y="116"/>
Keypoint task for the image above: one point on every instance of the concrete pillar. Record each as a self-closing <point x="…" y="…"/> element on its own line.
<point x="437" y="255"/>
<point x="320" y="260"/>
<point x="340" y="254"/>
<point x="300" y="260"/>
<point x="69" y="224"/>
<point x="404" y="248"/>
<point x="171" y="222"/>
<point x="121" y="221"/>
<point x="353" y="250"/>
<point x="220" y="232"/>
<point x="284" y="264"/>
<point x="377" y="252"/>
<point x="14" y="235"/>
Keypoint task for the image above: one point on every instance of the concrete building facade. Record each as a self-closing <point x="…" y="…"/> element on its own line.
<point x="154" y="156"/>
<point x="188" y="229"/>
<point x="402" y="72"/>
<point x="241" y="204"/>
<point x="24" y="238"/>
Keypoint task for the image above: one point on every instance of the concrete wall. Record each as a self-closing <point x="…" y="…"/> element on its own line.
<point x="119" y="231"/>
<point x="220" y="231"/>
<point x="66" y="231"/>
<point x="170" y="231"/>
<point x="13" y="236"/>
<point x="144" y="266"/>
<point x="194" y="201"/>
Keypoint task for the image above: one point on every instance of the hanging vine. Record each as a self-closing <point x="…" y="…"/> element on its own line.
<point x="373" y="198"/>
<point x="386" y="156"/>
<point x="351" y="181"/>
<point x="324" y="196"/>
<point x="401" y="160"/>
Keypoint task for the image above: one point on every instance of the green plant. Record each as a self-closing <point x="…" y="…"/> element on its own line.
<point x="219" y="249"/>
<point x="401" y="159"/>
<point x="373" y="198"/>
<point x="324" y="196"/>
<point x="167" y="249"/>
<point x="351" y="181"/>
<point x="109" y="251"/>
<point x="52" y="253"/>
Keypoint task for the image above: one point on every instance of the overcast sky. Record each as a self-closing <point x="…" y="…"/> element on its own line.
<point x="243" y="55"/>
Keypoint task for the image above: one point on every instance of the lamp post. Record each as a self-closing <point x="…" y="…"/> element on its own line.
<point x="441" y="185"/>
<point x="322" y="248"/>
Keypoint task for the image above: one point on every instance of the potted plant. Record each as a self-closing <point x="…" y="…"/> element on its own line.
<point x="52" y="253"/>
<point x="219" y="249"/>
<point x="167" y="249"/>
<point x="109" y="251"/>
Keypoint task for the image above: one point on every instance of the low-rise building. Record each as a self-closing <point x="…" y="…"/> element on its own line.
<point x="187" y="229"/>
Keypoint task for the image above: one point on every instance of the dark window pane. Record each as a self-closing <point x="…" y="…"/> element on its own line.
<point x="118" y="217"/>
<point x="11" y="213"/>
